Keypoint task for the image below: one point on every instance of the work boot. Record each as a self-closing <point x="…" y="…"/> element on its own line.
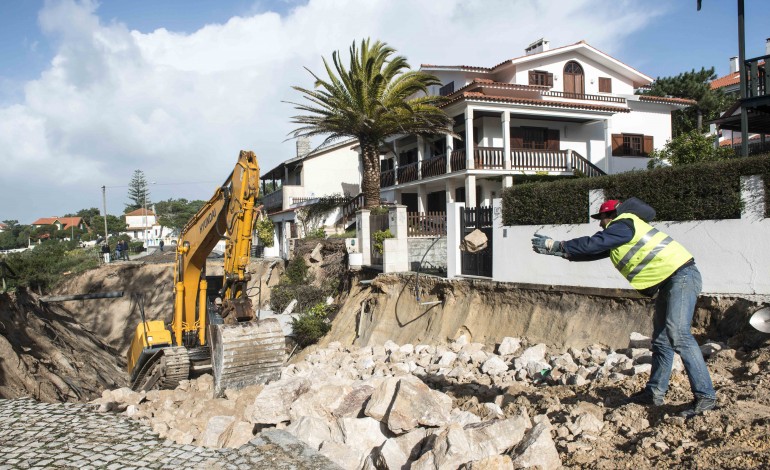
<point x="645" y="398"/>
<point x="698" y="406"/>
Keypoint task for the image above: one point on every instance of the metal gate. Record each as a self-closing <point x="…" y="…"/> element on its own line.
<point x="377" y="223"/>
<point x="472" y="218"/>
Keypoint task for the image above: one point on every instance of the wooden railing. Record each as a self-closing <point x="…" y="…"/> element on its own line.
<point x="434" y="166"/>
<point x="407" y="173"/>
<point x="583" y="96"/>
<point x="757" y="78"/>
<point x="387" y="178"/>
<point x="273" y="202"/>
<point x="539" y="160"/>
<point x="350" y="207"/>
<point x="457" y="160"/>
<point x="426" y="224"/>
<point x="581" y="164"/>
<point x="487" y="158"/>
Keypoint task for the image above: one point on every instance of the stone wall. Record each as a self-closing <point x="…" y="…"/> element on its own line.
<point x="435" y="259"/>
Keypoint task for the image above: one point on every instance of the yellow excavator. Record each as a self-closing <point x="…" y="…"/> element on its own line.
<point x="213" y="329"/>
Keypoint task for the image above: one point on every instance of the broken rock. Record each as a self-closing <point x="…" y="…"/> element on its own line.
<point x="537" y="449"/>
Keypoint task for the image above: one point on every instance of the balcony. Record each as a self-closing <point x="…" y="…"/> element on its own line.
<point x="493" y="158"/>
<point x="284" y="198"/>
<point x="585" y="97"/>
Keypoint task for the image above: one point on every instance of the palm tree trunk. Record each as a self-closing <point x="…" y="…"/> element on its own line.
<point x="370" y="184"/>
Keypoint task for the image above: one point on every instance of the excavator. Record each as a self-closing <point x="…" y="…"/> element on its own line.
<point x="216" y="329"/>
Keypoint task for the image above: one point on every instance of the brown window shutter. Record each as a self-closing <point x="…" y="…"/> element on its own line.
<point x="531" y="77"/>
<point x="550" y="79"/>
<point x="553" y="139"/>
<point x="647" y="148"/>
<point x="605" y="85"/>
<point x="517" y="137"/>
<point x="617" y="144"/>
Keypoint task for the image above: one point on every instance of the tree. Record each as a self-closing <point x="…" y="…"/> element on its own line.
<point x="15" y="235"/>
<point x="175" y="213"/>
<point x="687" y="148"/>
<point x="138" y="192"/>
<point x="86" y="214"/>
<point x="695" y="86"/>
<point x="115" y="224"/>
<point x="377" y="97"/>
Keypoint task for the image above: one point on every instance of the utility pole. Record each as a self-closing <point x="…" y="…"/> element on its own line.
<point x="104" y="202"/>
<point x="742" y="69"/>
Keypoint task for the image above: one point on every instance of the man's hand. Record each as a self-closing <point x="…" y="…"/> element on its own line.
<point x="547" y="246"/>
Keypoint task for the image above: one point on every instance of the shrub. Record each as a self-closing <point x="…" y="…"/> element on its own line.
<point x="317" y="233"/>
<point x="297" y="271"/>
<point x="311" y="325"/>
<point x="306" y="295"/>
<point x="265" y="229"/>
<point x="379" y="237"/>
<point x="687" y="148"/>
<point x="43" y="267"/>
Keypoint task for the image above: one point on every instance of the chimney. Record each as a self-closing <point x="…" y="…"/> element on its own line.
<point x="767" y="46"/>
<point x="303" y="146"/>
<point x="733" y="64"/>
<point x="541" y="45"/>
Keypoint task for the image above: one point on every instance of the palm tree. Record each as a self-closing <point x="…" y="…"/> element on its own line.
<point x="378" y="97"/>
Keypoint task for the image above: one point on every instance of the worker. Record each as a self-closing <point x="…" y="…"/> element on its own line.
<point x="654" y="264"/>
<point x="106" y="252"/>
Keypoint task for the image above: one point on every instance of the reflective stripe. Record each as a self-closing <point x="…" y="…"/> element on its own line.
<point x="663" y="244"/>
<point x="638" y="246"/>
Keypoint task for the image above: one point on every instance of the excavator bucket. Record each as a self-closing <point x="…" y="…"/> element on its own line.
<point x="246" y="353"/>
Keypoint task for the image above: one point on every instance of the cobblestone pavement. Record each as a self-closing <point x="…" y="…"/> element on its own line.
<point x="36" y="435"/>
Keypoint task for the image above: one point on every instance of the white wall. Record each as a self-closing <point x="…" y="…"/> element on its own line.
<point x="645" y="118"/>
<point x="591" y="71"/>
<point x="332" y="172"/>
<point x="731" y="254"/>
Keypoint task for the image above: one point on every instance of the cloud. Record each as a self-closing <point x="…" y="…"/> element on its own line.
<point x="181" y="106"/>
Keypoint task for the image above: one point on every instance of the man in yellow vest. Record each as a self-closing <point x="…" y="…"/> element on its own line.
<point x="653" y="263"/>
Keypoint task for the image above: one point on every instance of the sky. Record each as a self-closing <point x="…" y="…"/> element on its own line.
<point x="92" y="91"/>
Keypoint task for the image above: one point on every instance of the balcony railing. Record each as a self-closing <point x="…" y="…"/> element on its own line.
<point x="426" y="224"/>
<point x="273" y="202"/>
<point x="583" y="96"/>
<point x="458" y="160"/>
<point x="757" y="78"/>
<point x="407" y="173"/>
<point x="434" y="166"/>
<point x="387" y="178"/>
<point x="489" y="158"/>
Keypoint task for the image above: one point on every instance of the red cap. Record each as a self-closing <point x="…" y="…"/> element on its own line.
<point x="608" y="206"/>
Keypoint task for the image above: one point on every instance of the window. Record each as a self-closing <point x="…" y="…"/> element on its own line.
<point x="605" y="85"/>
<point x="540" y="77"/>
<point x="447" y="89"/>
<point x="631" y="145"/>
<point x="534" y="138"/>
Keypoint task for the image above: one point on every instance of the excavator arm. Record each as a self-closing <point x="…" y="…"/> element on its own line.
<point x="236" y="347"/>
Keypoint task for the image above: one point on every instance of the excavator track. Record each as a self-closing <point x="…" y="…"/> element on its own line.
<point x="246" y="353"/>
<point x="164" y="370"/>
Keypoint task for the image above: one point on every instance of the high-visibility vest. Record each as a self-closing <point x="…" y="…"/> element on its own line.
<point x="650" y="257"/>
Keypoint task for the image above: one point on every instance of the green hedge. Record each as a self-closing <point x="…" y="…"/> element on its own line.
<point x="701" y="191"/>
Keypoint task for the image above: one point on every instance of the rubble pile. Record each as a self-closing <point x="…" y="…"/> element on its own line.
<point x="464" y="406"/>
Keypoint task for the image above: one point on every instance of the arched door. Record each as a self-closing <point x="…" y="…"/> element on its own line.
<point x="574" y="78"/>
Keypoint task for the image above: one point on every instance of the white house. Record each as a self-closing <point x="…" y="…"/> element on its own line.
<point x="547" y="112"/>
<point x="141" y="224"/>
<point x="330" y="171"/>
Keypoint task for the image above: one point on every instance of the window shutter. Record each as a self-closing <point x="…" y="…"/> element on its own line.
<point x="531" y="77"/>
<point x="517" y="137"/>
<point x="553" y="139"/>
<point x="605" y="85"/>
<point x="550" y="79"/>
<point x="617" y="145"/>
<point x="647" y="147"/>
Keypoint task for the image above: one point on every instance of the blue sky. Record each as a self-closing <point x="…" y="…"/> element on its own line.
<point x="90" y="91"/>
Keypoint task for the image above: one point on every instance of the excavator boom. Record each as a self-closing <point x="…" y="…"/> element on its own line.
<point x="242" y="349"/>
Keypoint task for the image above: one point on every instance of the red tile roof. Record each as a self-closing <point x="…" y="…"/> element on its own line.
<point x="667" y="100"/>
<point x="66" y="222"/>
<point x="729" y="79"/>
<point x="737" y="140"/>
<point x="478" y="96"/>
<point x="140" y="211"/>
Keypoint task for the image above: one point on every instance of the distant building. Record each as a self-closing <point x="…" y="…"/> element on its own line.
<point x="142" y="224"/>
<point x="61" y="223"/>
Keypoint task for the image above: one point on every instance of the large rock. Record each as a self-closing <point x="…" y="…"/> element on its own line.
<point x="313" y="431"/>
<point x="340" y="454"/>
<point x="508" y="346"/>
<point x="352" y="404"/>
<point x="638" y="340"/>
<point x="321" y="401"/>
<point x="494" y="462"/>
<point x="242" y="432"/>
<point x="537" y="449"/>
<point x="533" y="353"/>
<point x="397" y="452"/>
<point x="415" y="404"/>
<point x="361" y="436"/>
<point x="494" y="366"/>
<point x="217" y="431"/>
<point x="273" y="404"/>
<point x="380" y="400"/>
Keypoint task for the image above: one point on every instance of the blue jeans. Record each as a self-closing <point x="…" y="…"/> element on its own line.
<point x="674" y="309"/>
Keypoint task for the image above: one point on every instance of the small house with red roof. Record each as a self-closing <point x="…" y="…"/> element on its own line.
<point x="61" y="223"/>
